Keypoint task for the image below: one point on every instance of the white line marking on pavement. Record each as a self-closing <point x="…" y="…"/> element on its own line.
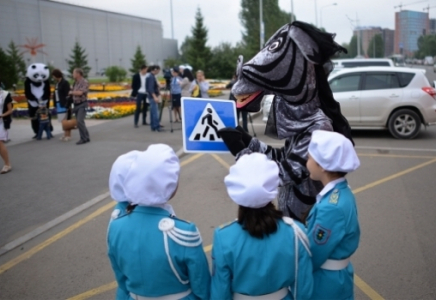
<point x="34" y="233"/>
<point x="395" y="149"/>
<point x="378" y="148"/>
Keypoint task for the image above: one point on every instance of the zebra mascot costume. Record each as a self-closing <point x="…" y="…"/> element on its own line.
<point x="293" y="66"/>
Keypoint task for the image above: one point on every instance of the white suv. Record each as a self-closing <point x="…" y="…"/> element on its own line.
<point x="397" y="99"/>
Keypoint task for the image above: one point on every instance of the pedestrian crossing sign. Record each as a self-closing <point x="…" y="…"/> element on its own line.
<point x="201" y="120"/>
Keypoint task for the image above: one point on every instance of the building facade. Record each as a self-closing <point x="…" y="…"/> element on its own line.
<point x="368" y="33"/>
<point x="109" y="38"/>
<point x="432" y="26"/>
<point x="409" y="26"/>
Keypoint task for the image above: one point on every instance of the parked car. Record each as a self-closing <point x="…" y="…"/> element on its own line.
<point x="397" y="99"/>
<point x="266" y="105"/>
<point x="362" y="62"/>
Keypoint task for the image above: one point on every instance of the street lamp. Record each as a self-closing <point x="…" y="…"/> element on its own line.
<point x="292" y="11"/>
<point x="316" y="14"/>
<point x="172" y="25"/>
<point x="333" y="4"/>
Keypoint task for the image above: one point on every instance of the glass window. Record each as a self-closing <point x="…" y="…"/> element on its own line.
<point x="381" y="81"/>
<point x="345" y="83"/>
<point x="405" y="78"/>
<point x="365" y="64"/>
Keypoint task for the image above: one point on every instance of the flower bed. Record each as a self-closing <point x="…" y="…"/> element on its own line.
<point x="97" y="109"/>
<point x="108" y="87"/>
<point x="214" y="93"/>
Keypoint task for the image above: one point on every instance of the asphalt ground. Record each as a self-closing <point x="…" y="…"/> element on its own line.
<point x="394" y="187"/>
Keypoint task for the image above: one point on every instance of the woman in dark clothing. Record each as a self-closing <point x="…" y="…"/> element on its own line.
<point x="61" y="102"/>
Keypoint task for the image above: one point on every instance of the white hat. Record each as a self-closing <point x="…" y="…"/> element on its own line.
<point x="153" y="176"/>
<point x="333" y="151"/>
<point x="118" y="173"/>
<point x="253" y="181"/>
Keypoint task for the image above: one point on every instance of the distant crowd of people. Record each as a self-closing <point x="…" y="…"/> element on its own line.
<point x="145" y="89"/>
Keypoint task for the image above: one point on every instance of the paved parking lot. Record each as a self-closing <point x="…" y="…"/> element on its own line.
<point x="394" y="187"/>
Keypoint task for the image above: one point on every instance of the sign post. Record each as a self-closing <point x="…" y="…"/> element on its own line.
<point x="201" y="120"/>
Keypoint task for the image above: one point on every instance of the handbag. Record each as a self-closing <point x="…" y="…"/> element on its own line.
<point x="69" y="124"/>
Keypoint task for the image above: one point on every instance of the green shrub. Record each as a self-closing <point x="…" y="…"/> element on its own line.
<point x="115" y="73"/>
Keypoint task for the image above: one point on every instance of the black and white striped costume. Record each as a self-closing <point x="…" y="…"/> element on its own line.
<point x="293" y="65"/>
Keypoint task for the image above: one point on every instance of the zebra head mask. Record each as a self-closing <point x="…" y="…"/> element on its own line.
<point x="289" y="66"/>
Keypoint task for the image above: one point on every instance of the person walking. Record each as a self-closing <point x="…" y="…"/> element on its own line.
<point x="139" y="92"/>
<point x="176" y="93"/>
<point x="153" y="95"/>
<point x="80" y="99"/>
<point x="60" y="96"/>
<point x="261" y="255"/>
<point x="5" y="121"/>
<point x="153" y="253"/>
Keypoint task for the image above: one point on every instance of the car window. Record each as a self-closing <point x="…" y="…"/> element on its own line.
<point x="381" y="81"/>
<point x="405" y="78"/>
<point x="345" y="83"/>
<point x="365" y="64"/>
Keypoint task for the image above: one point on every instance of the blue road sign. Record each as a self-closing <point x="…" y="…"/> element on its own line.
<point x="201" y="120"/>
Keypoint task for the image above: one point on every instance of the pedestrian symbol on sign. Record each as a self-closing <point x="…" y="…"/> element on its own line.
<point x="206" y="129"/>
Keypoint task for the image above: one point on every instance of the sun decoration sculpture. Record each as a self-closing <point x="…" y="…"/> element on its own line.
<point x="32" y="47"/>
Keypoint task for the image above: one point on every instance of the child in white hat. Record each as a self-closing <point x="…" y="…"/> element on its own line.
<point x="332" y="224"/>
<point x="261" y="253"/>
<point x="153" y="253"/>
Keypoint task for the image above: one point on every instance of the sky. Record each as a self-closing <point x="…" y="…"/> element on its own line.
<point x="221" y="17"/>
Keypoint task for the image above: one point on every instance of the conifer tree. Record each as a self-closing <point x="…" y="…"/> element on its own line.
<point x="78" y="59"/>
<point x="18" y="66"/>
<point x="137" y="61"/>
<point x="6" y="70"/>
<point x="198" y="53"/>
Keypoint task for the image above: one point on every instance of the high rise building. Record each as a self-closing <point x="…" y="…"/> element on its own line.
<point x="409" y="26"/>
<point x="388" y="39"/>
<point x="432" y="26"/>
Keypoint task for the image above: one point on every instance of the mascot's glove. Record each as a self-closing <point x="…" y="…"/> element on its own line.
<point x="236" y="139"/>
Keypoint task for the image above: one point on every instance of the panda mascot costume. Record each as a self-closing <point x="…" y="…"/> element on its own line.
<point x="37" y="90"/>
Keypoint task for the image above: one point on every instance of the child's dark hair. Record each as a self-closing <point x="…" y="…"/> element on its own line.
<point x="259" y="222"/>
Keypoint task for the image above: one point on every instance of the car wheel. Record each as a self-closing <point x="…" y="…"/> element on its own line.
<point x="404" y="124"/>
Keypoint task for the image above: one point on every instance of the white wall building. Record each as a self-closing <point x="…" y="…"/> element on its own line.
<point x="109" y="38"/>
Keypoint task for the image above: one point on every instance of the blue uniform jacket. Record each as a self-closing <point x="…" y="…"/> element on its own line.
<point x="137" y="254"/>
<point x="252" y="266"/>
<point x="333" y="231"/>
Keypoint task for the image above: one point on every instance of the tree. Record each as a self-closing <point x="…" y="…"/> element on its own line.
<point x="171" y="62"/>
<point x="137" y="61"/>
<point x="376" y="47"/>
<point x="223" y="61"/>
<point x="426" y="46"/>
<point x="78" y="59"/>
<point x="184" y="49"/>
<point x="352" y="49"/>
<point x="17" y="63"/>
<point x="7" y="69"/>
<point x="198" y="54"/>
<point x="115" y="73"/>
<point x="273" y="19"/>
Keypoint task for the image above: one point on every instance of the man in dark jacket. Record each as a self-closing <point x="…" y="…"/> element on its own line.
<point x="139" y="92"/>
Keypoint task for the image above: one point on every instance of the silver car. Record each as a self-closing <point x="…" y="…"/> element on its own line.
<point x="397" y="99"/>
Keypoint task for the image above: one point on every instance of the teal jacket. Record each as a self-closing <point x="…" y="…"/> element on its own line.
<point x="247" y="265"/>
<point x="333" y="231"/>
<point x="137" y="253"/>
